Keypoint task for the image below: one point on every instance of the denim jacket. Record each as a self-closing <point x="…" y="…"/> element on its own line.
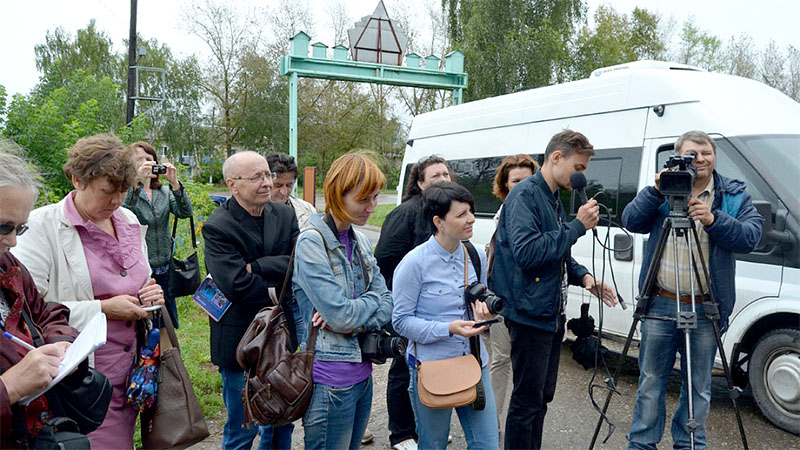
<point x="324" y="281"/>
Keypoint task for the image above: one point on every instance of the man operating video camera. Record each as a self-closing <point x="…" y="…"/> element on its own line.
<point x="726" y="223"/>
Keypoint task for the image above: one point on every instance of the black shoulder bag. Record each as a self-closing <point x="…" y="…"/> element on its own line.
<point x="82" y="396"/>
<point x="184" y="274"/>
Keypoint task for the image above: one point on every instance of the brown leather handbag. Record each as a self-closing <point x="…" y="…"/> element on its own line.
<point x="176" y="420"/>
<point x="278" y="376"/>
<point x="448" y="383"/>
<point x="451" y="382"/>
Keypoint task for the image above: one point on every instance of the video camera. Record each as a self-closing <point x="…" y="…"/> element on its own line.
<point x="478" y="291"/>
<point x="377" y="345"/>
<point x="677" y="183"/>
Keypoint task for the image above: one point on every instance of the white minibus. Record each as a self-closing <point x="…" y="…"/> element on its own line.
<point x="632" y="114"/>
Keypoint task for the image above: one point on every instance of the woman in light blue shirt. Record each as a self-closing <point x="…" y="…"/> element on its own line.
<point x="429" y="310"/>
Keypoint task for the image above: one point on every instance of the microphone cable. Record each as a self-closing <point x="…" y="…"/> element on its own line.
<point x="599" y="358"/>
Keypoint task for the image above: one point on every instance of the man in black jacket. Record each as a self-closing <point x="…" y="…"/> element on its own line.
<point x="404" y="229"/>
<point x="248" y="242"/>
<point x="533" y="266"/>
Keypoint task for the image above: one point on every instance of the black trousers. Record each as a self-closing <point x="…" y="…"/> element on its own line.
<point x="401" y="416"/>
<point x="534" y="361"/>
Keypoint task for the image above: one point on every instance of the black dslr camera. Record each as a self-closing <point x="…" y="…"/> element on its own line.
<point x="159" y="169"/>
<point x="377" y="345"/>
<point x="478" y="291"/>
<point x="676" y="184"/>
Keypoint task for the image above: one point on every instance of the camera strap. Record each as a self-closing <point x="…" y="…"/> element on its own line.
<point x="474" y="341"/>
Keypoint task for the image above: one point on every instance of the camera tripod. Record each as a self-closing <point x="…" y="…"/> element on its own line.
<point x="677" y="225"/>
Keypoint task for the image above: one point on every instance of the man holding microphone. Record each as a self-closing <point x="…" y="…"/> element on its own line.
<point x="532" y="269"/>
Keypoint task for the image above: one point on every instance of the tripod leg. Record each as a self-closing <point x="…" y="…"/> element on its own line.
<point x="712" y="313"/>
<point x="687" y="322"/>
<point x="641" y="306"/>
<point x="613" y="381"/>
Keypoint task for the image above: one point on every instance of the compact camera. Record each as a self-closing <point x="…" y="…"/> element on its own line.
<point x="377" y="345"/>
<point x="479" y="291"/>
<point x="159" y="169"/>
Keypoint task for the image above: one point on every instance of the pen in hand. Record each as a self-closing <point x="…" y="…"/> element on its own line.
<point x="18" y="341"/>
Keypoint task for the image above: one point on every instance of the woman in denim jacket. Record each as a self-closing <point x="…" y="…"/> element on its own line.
<point x="339" y="288"/>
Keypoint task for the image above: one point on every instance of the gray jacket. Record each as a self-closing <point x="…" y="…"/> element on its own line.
<point x="155" y="215"/>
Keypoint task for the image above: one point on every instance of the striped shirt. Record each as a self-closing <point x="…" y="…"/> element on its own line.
<point x="666" y="272"/>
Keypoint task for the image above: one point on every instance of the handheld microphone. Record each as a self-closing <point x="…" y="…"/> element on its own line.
<point x="578" y="182"/>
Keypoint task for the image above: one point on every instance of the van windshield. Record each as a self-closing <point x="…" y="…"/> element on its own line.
<point x="781" y="153"/>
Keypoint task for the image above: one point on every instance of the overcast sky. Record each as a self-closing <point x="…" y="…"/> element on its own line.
<point x="24" y="23"/>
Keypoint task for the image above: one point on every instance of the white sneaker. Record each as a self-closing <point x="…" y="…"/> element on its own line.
<point x="408" y="444"/>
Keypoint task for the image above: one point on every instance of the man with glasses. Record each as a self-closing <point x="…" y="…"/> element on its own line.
<point x="405" y="228"/>
<point x="248" y="241"/>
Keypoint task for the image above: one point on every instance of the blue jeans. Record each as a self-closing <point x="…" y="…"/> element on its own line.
<point x="236" y="437"/>
<point x="338" y="416"/>
<point x="433" y="425"/>
<point x="660" y="342"/>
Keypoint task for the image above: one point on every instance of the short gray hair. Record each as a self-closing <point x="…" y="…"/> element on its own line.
<point x="15" y="171"/>
<point x="696" y="136"/>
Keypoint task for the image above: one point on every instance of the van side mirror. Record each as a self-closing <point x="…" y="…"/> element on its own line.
<point x="769" y="236"/>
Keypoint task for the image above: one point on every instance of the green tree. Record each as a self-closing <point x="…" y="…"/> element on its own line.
<point x="91" y="50"/>
<point x="741" y="58"/>
<point x="178" y="120"/>
<point x="511" y="45"/>
<point x="648" y="35"/>
<point x="3" y="96"/>
<point x="698" y="48"/>
<point x="229" y="33"/>
<point x="264" y="108"/>
<point x="46" y="125"/>
<point x="616" y="39"/>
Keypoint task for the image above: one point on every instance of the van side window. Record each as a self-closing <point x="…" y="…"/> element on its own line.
<point x="477" y="175"/>
<point x="730" y="164"/>
<point x="615" y="172"/>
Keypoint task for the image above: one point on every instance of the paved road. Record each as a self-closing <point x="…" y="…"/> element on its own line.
<point x="571" y="419"/>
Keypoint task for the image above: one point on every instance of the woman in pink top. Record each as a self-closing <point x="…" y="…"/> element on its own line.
<point x="89" y="254"/>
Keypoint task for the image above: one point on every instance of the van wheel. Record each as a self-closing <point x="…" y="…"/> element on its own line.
<point x="775" y="377"/>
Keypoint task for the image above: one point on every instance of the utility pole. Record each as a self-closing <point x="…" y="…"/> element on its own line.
<point x="131" y="66"/>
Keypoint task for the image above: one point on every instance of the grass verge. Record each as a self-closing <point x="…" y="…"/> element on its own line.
<point x="379" y="215"/>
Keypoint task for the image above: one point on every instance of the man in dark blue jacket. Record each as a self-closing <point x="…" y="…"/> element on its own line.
<point x="726" y="222"/>
<point x="531" y="271"/>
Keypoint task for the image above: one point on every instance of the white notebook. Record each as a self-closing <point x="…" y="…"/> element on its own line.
<point x="92" y="337"/>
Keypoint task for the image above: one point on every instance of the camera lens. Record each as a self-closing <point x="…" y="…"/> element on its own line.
<point x="494" y="303"/>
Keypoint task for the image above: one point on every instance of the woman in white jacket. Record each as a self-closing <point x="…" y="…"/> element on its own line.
<point x="90" y="255"/>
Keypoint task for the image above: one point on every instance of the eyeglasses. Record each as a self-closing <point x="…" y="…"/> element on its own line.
<point x="259" y="177"/>
<point x="7" y="228"/>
